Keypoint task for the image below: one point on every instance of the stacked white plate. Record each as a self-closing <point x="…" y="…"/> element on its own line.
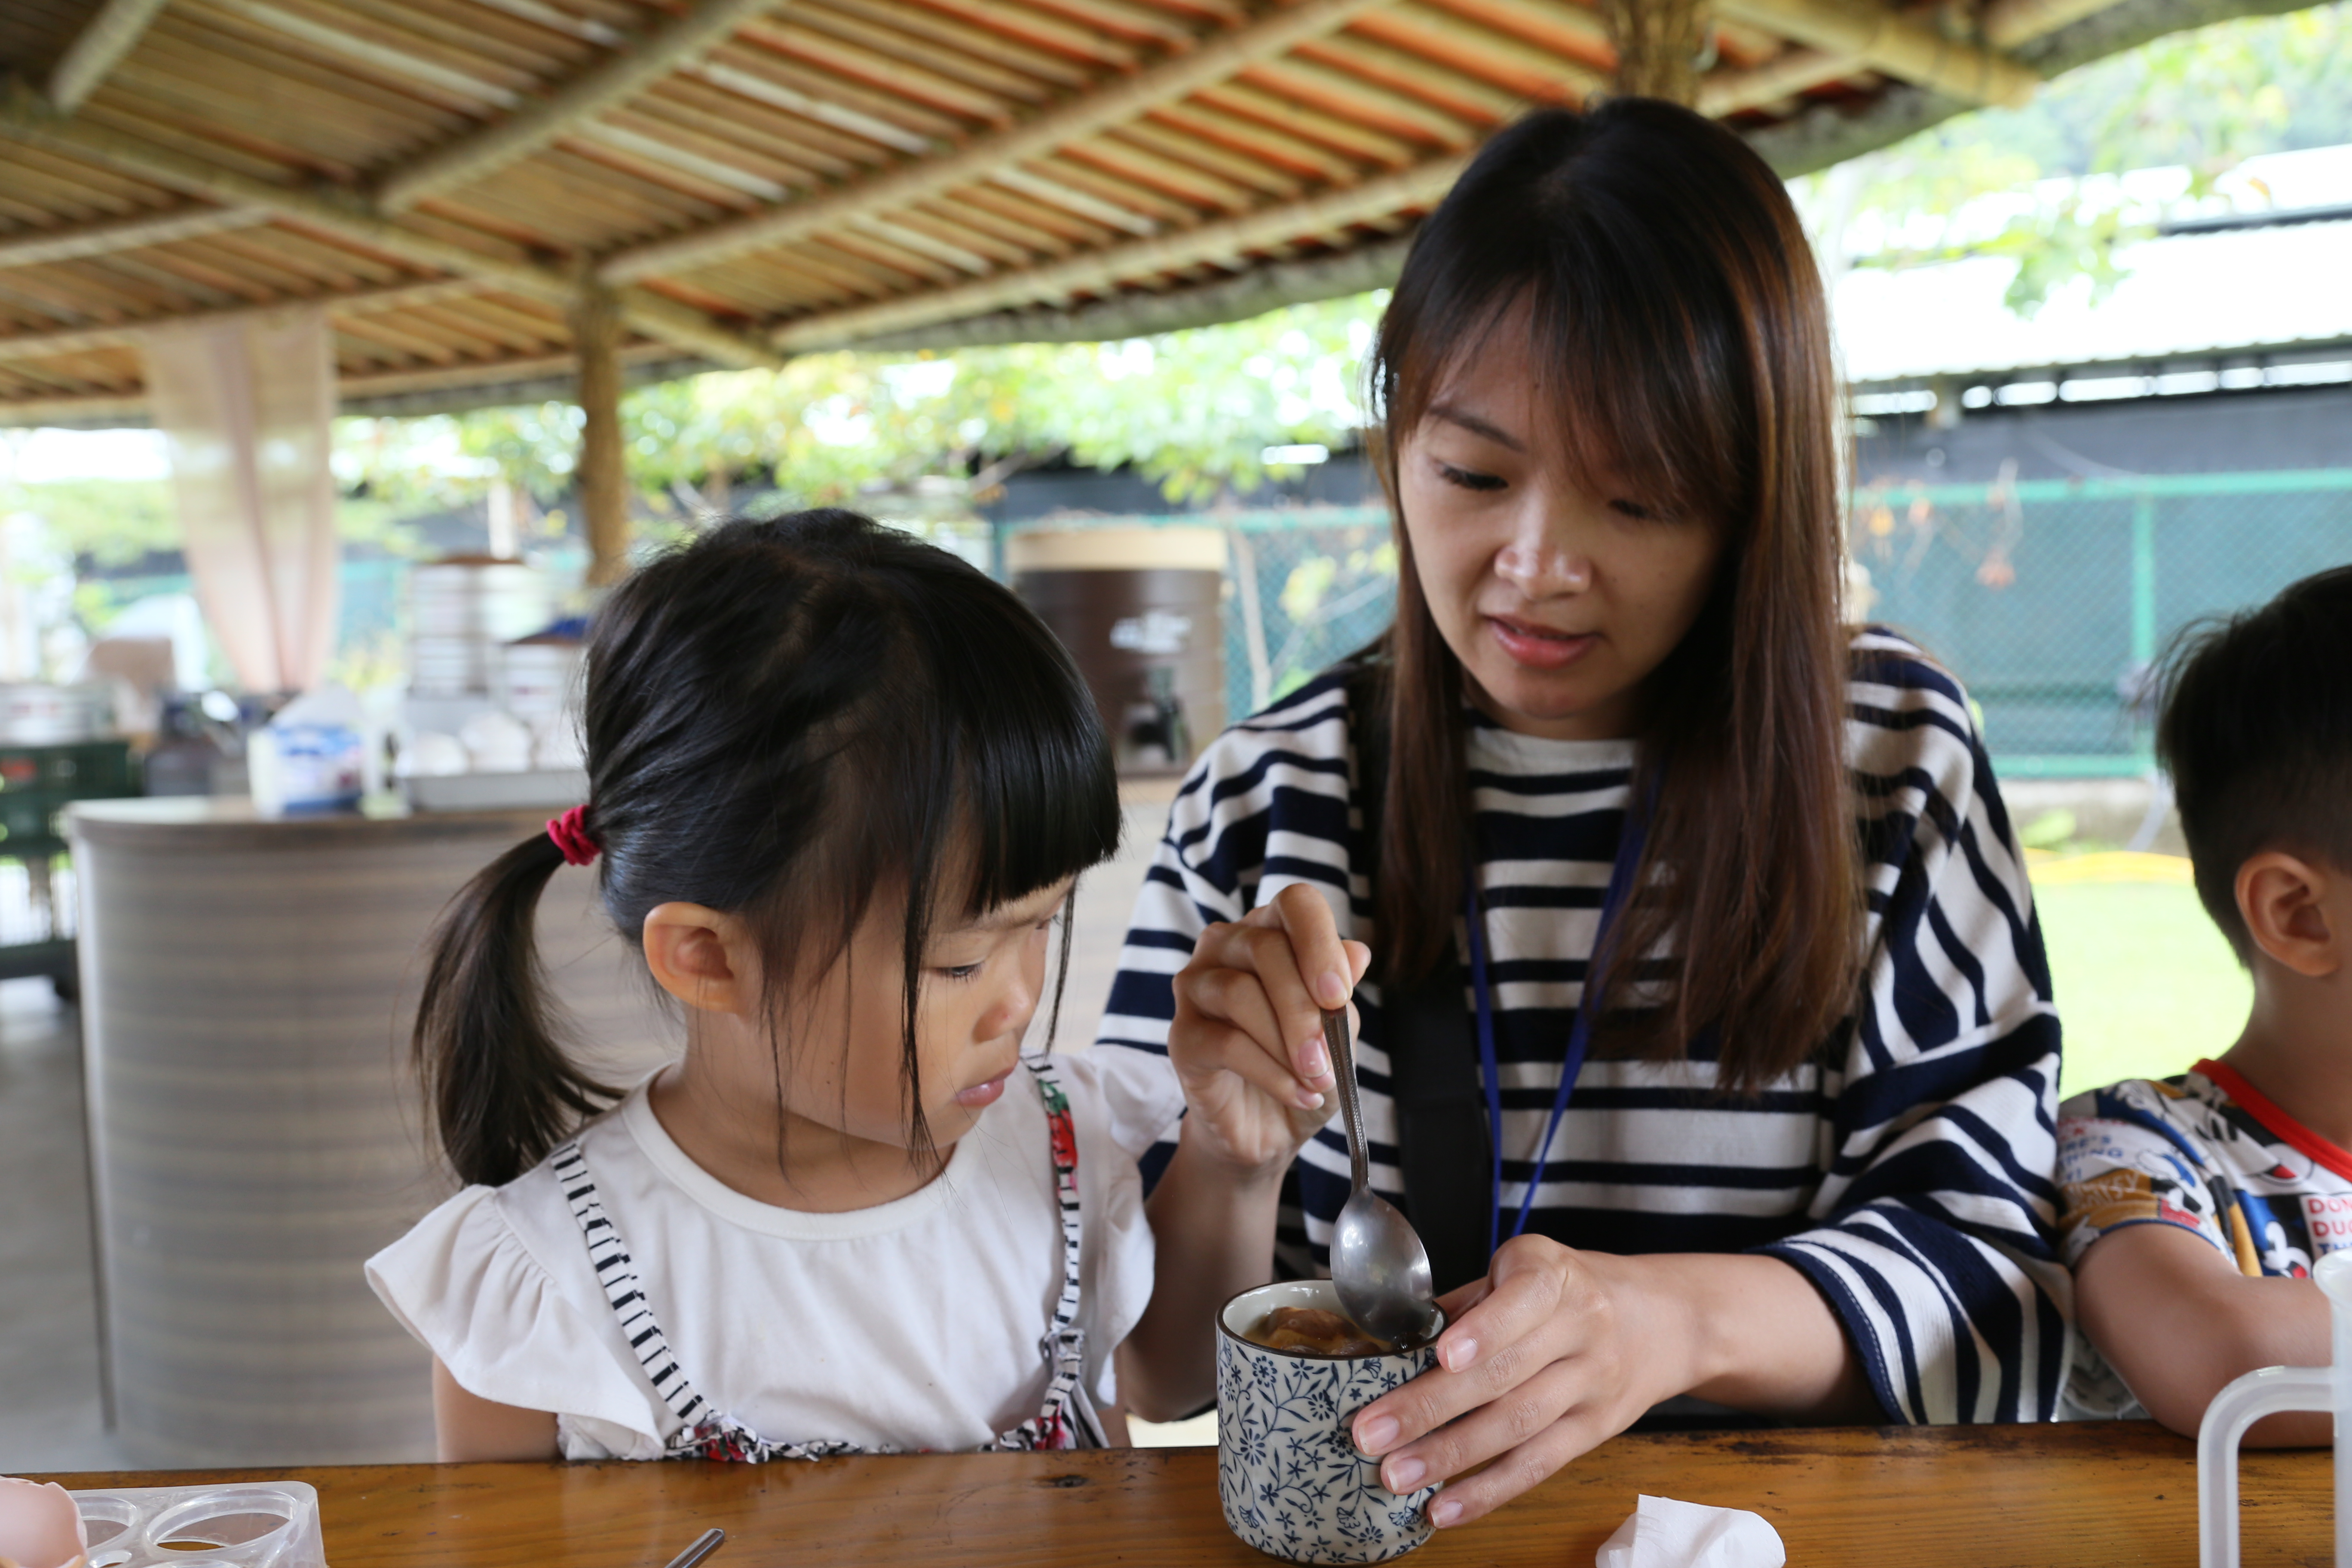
<point x="460" y="612"/>
<point x="35" y="715"/>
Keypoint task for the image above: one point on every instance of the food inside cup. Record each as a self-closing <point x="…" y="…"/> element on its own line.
<point x="1310" y="1330"/>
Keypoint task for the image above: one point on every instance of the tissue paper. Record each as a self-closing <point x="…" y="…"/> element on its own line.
<point x="1664" y="1533"/>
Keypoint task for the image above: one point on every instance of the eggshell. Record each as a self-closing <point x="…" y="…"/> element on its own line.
<point x="39" y="1526"/>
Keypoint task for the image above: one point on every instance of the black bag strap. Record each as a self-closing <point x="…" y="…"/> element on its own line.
<point x="1428" y="1034"/>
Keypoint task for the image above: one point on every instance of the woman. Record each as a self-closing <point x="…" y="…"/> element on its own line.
<point x="1615" y="784"/>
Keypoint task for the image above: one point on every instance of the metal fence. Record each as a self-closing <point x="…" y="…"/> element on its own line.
<point x="2049" y="598"/>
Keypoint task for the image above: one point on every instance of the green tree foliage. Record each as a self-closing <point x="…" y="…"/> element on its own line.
<point x="1192" y="411"/>
<point x="2035" y="183"/>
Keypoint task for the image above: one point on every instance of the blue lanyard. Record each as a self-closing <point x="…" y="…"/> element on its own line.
<point x="1579" y="1033"/>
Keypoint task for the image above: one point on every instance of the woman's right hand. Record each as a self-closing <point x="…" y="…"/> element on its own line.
<point x="1247" y="1041"/>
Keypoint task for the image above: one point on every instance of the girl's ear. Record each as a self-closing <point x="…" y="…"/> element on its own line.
<point x="2285" y="904"/>
<point x="703" y="957"/>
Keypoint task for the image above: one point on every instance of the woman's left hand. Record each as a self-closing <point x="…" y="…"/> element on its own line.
<point x="1556" y="1351"/>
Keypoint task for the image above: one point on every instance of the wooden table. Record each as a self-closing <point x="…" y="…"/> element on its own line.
<point x="1990" y="1496"/>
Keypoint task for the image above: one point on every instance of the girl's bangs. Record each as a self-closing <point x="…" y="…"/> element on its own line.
<point x="1036" y="796"/>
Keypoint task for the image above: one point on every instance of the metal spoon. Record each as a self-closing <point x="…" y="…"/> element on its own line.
<point x="1378" y="1264"/>
<point x="708" y="1541"/>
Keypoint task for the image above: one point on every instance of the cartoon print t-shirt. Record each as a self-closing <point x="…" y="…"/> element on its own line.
<point x="2208" y="1153"/>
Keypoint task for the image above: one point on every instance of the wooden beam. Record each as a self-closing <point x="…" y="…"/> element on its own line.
<point x="27" y="119"/>
<point x="1868" y="32"/>
<point x="1235" y="299"/>
<point x="1226" y="240"/>
<point x="75" y="413"/>
<point x="103" y="41"/>
<point x="39" y="247"/>
<point x="1785" y="75"/>
<point x="1081" y="116"/>
<point x="634" y="65"/>
<point x="82" y="340"/>
<point x="603" y="469"/>
<point x="2008" y="23"/>
<point x="540" y="378"/>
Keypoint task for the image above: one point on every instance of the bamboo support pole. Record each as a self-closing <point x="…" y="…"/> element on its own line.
<point x="601" y="477"/>
<point x="1658" y="44"/>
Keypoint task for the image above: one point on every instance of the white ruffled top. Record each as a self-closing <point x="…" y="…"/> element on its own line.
<point x="914" y="1323"/>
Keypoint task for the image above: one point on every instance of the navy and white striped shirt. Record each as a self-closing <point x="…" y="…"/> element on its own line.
<point x="1908" y="1173"/>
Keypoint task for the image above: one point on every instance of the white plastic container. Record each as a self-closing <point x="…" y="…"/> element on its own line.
<point x="251" y="1524"/>
<point x="2272" y="1391"/>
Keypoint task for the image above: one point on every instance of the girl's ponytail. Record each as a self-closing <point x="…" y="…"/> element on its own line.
<point x="502" y="1091"/>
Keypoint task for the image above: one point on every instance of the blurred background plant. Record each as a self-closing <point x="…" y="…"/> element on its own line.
<point x="2046" y="185"/>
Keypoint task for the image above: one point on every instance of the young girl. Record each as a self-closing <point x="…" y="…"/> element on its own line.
<point x="840" y="785"/>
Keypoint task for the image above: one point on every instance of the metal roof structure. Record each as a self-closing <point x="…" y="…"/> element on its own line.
<point x="466" y="185"/>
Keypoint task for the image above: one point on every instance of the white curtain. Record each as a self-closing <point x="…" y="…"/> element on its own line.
<point x="246" y="408"/>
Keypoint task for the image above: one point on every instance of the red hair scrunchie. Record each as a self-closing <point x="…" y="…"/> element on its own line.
<point x="571" y="835"/>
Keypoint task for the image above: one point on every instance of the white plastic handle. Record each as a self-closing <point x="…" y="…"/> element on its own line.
<point x="2269" y="1392"/>
<point x="2234" y="1409"/>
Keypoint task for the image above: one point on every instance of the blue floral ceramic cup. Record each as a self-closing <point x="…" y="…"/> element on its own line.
<point x="1288" y="1470"/>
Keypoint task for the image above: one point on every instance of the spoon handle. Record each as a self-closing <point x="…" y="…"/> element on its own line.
<point x="1343" y="1067"/>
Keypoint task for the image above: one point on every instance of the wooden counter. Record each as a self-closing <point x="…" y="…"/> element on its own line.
<point x="2087" y="1495"/>
<point x="247" y="990"/>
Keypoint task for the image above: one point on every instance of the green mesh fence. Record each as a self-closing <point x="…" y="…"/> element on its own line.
<point x="2049" y="598"/>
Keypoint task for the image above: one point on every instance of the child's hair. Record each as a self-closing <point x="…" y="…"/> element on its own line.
<point x="2256" y="733"/>
<point x="785" y="720"/>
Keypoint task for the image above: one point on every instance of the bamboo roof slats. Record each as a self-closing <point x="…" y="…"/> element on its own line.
<point x="1107" y="205"/>
<point x="102" y="39"/>
<point x="986" y="56"/>
<point x="1211" y="126"/>
<point x="837" y="58"/>
<point x="1562" y="26"/>
<point x="1348" y="97"/>
<point x="1130" y="21"/>
<point x="1260" y="102"/>
<point x="1536" y="74"/>
<point x="632" y="66"/>
<point x="1074" y="117"/>
<point x="757" y="178"/>
<point x="978" y="212"/>
<point x="1463" y="96"/>
<point x="1031" y="24"/>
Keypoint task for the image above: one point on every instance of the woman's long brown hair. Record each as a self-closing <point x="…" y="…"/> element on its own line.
<point x="1679" y="322"/>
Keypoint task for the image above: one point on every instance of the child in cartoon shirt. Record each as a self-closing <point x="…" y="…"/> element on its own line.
<point x="2196" y="1206"/>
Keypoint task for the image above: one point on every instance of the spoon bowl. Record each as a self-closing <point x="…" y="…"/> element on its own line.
<point x="1378" y="1268"/>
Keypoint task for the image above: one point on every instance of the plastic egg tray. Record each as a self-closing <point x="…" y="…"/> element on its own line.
<point x="249" y="1525"/>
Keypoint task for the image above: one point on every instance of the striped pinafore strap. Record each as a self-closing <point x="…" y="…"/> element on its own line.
<point x="1068" y="1419"/>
